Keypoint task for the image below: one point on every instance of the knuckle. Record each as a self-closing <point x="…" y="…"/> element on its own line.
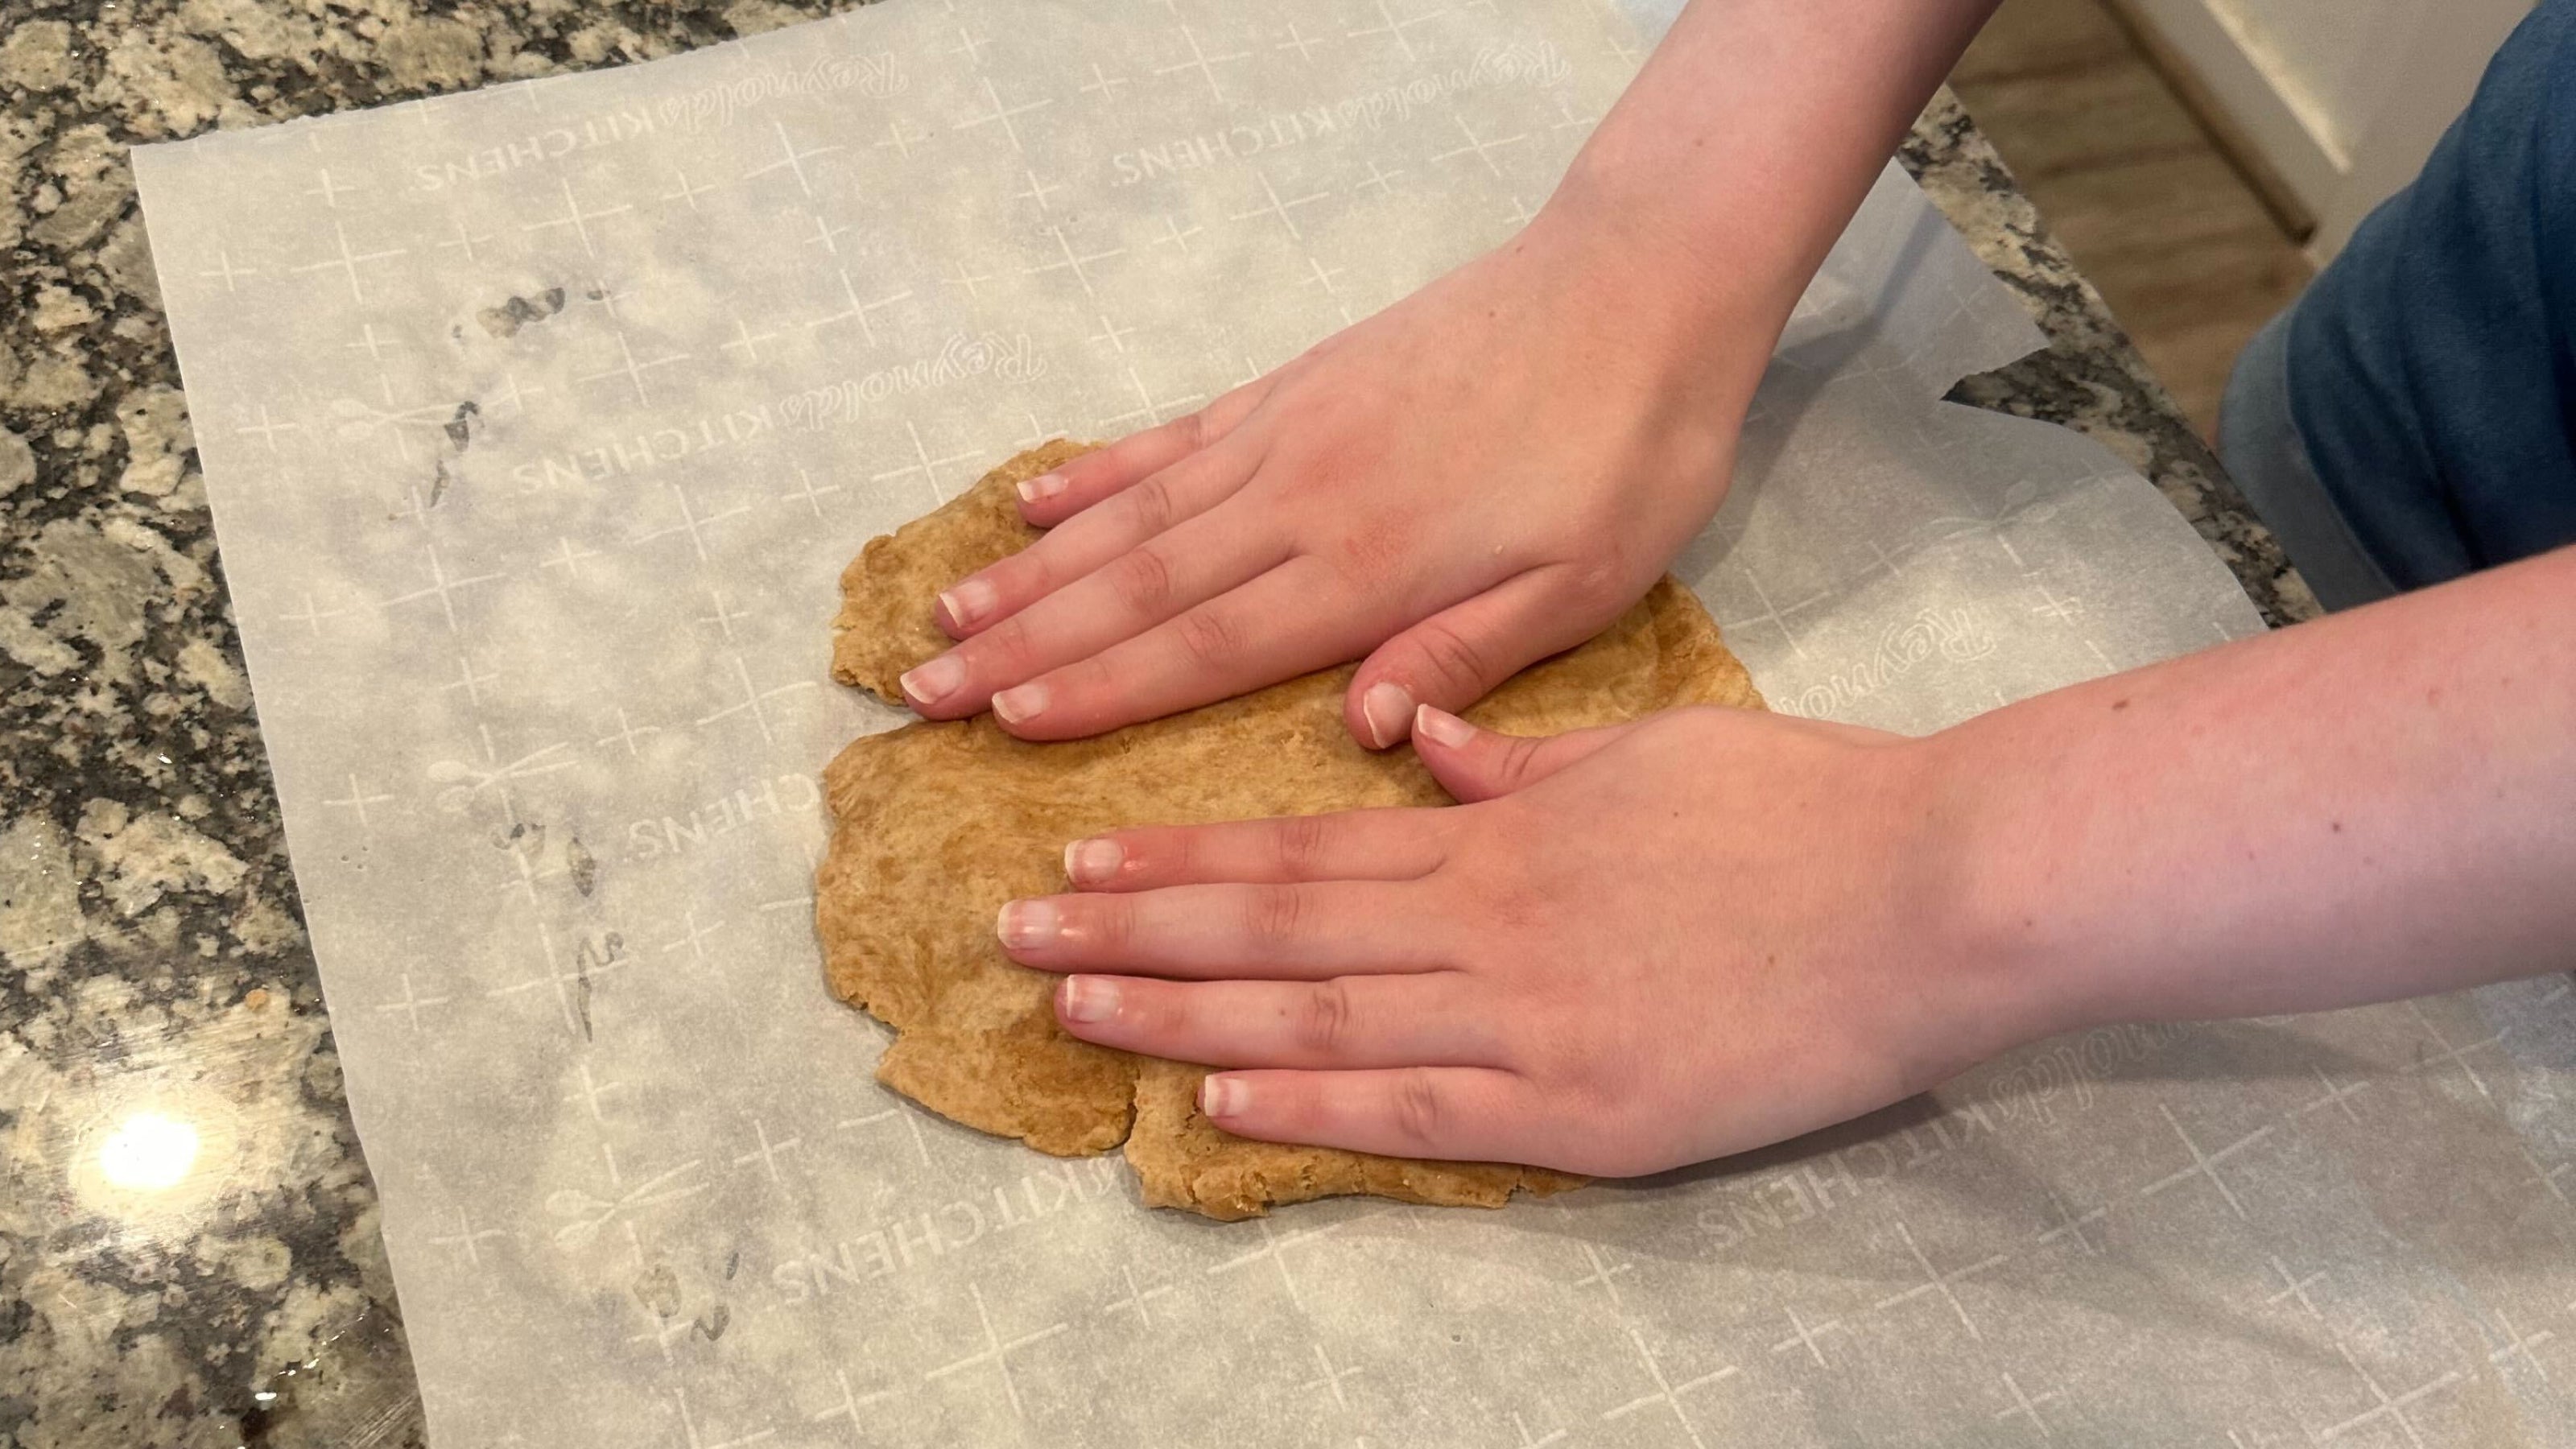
<point x="1109" y="927"/>
<point x="1299" y="843"/>
<point x="1273" y="915"/>
<point x="1211" y="635"/>
<point x="1174" y="855"/>
<point x="1086" y="684"/>
<point x="1149" y="504"/>
<point x="1322" y="1022"/>
<point x="1156" y="1008"/>
<point x="1420" y="1114"/>
<point x="1452" y="657"/>
<point x="1006" y="646"/>
<point x="1029" y="574"/>
<point x="1016" y="581"/>
<point x="1520" y="756"/>
<point x="1142" y="581"/>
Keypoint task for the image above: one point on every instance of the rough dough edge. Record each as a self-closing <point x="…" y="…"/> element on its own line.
<point x="870" y="648"/>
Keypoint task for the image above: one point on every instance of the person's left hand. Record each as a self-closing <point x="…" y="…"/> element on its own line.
<point x="1634" y="948"/>
<point x="1483" y="474"/>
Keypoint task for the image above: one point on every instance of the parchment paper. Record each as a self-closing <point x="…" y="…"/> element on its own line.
<point x="537" y="423"/>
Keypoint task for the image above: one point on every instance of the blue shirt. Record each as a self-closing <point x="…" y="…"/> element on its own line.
<point x="2430" y="371"/>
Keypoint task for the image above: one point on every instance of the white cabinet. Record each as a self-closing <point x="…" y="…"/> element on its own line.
<point x="2339" y="101"/>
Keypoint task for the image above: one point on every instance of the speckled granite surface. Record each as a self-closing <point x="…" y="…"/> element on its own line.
<point x="2089" y="377"/>
<point x="155" y="966"/>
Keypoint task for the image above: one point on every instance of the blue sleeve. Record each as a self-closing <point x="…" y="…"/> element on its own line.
<point x="2430" y="371"/>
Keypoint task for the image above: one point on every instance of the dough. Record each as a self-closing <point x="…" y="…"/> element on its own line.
<point x="936" y="825"/>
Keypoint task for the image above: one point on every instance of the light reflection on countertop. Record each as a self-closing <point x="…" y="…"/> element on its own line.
<point x="148" y="1153"/>
<point x="204" y="1267"/>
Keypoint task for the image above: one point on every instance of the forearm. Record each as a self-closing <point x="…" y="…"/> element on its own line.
<point x="2376" y="805"/>
<point x="1713" y="190"/>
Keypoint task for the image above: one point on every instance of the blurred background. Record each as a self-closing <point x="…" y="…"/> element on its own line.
<point x="2201" y="158"/>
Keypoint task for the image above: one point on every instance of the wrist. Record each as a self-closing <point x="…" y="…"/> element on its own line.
<point x="1629" y="286"/>
<point x="1689" y="252"/>
<point x="1998" y="933"/>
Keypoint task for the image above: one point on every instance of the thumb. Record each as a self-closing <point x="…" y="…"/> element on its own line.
<point x="1477" y="764"/>
<point x="1458" y="655"/>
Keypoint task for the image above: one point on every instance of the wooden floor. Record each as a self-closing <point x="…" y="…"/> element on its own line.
<point x="2178" y="243"/>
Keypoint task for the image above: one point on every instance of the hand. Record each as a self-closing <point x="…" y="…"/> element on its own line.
<point x="1480" y="476"/>
<point x="1633" y="948"/>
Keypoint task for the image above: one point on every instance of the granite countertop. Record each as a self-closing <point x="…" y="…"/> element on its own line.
<point x="189" y="1251"/>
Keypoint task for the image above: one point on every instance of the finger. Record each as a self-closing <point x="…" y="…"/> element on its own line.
<point x="1353" y="845"/>
<point x="1092" y="538"/>
<point x="1275" y="627"/>
<point x="1456" y="1113"/>
<point x="1478" y="764"/>
<point x="1193" y="562"/>
<point x="1299" y="932"/>
<point x="1458" y="655"/>
<point x="1347" y="1022"/>
<point x="1054" y="496"/>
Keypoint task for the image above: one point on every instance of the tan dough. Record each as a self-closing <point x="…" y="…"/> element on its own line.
<point x="936" y="825"/>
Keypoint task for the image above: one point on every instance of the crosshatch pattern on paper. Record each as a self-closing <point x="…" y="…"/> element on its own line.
<point x="538" y="422"/>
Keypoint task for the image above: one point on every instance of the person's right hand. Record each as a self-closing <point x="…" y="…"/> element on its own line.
<point x="1484" y="474"/>
<point x="1630" y="949"/>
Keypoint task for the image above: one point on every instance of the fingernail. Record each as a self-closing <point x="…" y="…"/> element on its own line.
<point x="1086" y="998"/>
<point x="1442" y="727"/>
<point x="1090" y="862"/>
<point x="1026" y="924"/>
<point x="1043" y="486"/>
<point x="935" y="681"/>
<point x="1222" y="1096"/>
<point x="1016" y="705"/>
<point x="1387" y="708"/>
<point x="970" y="601"/>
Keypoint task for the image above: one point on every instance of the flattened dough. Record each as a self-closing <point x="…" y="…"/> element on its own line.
<point x="936" y="825"/>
